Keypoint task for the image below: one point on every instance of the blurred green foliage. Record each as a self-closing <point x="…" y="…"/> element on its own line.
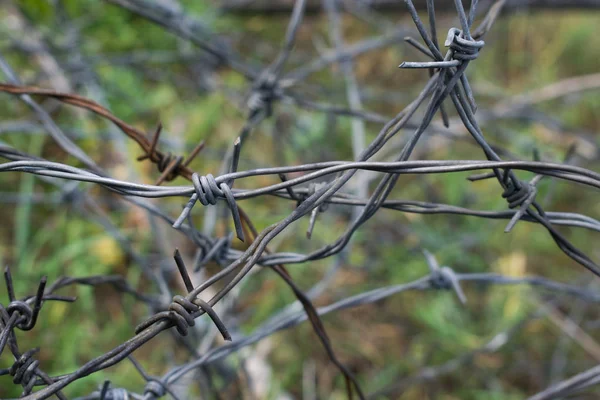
<point x="380" y="342"/>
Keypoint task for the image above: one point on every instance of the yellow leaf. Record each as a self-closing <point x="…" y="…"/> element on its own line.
<point x="513" y="264"/>
<point x="108" y="251"/>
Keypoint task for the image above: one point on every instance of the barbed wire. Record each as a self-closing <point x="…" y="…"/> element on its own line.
<point x="312" y="187"/>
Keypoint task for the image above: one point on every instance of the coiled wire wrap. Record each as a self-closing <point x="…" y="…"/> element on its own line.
<point x="23" y="370"/>
<point x="264" y="92"/>
<point x="170" y="162"/>
<point x="118" y="394"/>
<point x="463" y="48"/>
<point x="154" y="389"/>
<point x="180" y="314"/>
<point x="519" y="194"/>
<point x="23" y="311"/>
<point x="207" y="192"/>
<point x="443" y="278"/>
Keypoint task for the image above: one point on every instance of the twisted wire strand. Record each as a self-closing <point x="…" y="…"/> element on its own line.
<point x="287" y="320"/>
<point x="206" y="189"/>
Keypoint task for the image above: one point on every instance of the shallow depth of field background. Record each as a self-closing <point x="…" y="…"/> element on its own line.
<point x="146" y="75"/>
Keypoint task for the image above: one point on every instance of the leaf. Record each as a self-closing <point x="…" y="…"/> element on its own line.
<point x="513" y="264"/>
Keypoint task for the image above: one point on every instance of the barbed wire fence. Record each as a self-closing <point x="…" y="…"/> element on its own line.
<point x="312" y="187"/>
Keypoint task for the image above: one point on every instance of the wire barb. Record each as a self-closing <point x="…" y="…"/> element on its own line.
<point x="521" y="197"/>
<point x="154" y="389"/>
<point x="182" y="309"/>
<point x="207" y="191"/>
<point x="181" y="315"/>
<point x="168" y="165"/>
<point x="444" y="278"/>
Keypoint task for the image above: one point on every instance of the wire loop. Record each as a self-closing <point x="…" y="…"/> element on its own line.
<point x="25" y="312"/>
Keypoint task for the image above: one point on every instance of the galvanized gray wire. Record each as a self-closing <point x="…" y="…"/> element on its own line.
<point x="316" y="186"/>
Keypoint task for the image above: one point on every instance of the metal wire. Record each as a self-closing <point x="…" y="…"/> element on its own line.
<point x="313" y="187"/>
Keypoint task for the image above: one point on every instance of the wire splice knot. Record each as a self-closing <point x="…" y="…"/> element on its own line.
<point x="27" y="316"/>
<point x="169" y="165"/>
<point x="181" y="315"/>
<point x="207" y="192"/>
<point x="23" y="370"/>
<point x="184" y="310"/>
<point x="25" y="319"/>
<point x="519" y="194"/>
<point x="155" y="389"/>
<point x="443" y="278"/>
<point x="264" y="92"/>
<point x="463" y="48"/>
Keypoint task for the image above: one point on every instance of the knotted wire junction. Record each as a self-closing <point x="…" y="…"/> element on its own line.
<point x="183" y="310"/>
<point x="265" y="91"/>
<point x="19" y="313"/>
<point x="23" y="371"/>
<point x="207" y="191"/>
<point x="168" y="165"/>
<point x="443" y="278"/>
<point x="154" y="390"/>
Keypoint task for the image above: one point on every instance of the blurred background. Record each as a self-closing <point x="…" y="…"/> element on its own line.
<point x="536" y="83"/>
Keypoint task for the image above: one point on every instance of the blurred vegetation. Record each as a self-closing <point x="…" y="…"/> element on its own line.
<point x="380" y="343"/>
